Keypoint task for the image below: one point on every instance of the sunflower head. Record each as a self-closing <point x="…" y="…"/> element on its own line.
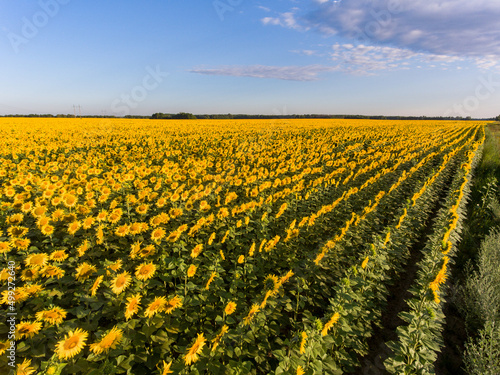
<point x="72" y="344"/>
<point x="145" y="271"/>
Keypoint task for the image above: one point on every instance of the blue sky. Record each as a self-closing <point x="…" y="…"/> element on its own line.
<point x="392" y="57"/>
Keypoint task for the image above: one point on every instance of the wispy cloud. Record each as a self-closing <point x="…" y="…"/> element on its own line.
<point x="291" y="73"/>
<point x="365" y="59"/>
<point x="286" y="19"/>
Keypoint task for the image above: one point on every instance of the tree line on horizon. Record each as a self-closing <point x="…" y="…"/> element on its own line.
<point x="190" y="116"/>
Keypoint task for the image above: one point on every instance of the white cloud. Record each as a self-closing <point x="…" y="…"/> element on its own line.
<point x="445" y="27"/>
<point x="292" y="73"/>
<point x="265" y="9"/>
<point x="286" y="19"/>
<point x="368" y="59"/>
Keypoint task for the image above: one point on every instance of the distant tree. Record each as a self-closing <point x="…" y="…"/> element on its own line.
<point x="184" y="115"/>
<point x="497" y="118"/>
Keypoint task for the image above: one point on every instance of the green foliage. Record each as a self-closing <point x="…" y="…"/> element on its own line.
<point x="482" y="356"/>
<point x="481" y="297"/>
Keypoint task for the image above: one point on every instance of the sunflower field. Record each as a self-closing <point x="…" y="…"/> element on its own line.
<point x="224" y="246"/>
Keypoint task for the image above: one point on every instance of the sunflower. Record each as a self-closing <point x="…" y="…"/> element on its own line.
<point x="135" y="228"/>
<point x="196" y="250"/>
<point x="155" y="307"/>
<point x="365" y="263"/>
<point x="100" y="234"/>
<point x="20" y="295"/>
<point x="172" y="304"/>
<point x="101" y="216"/>
<point x="135" y="248"/>
<point x="175" y="212"/>
<point x="69" y="200"/>
<point x="27" y="329"/>
<point x="251" y="314"/>
<point x="27" y="207"/>
<point x="72" y="344"/>
<point x="271" y="283"/>
<point x="147" y="251"/>
<point x="285" y="278"/>
<point x="29" y="274"/>
<point x="17" y="232"/>
<point x="132" y="305"/>
<point x="84" y="271"/>
<point x="122" y="230"/>
<point x="95" y="286"/>
<point x="52" y="271"/>
<point x="15" y="219"/>
<point x="39" y="211"/>
<point x="52" y="316"/>
<point x="36" y="260"/>
<point x="25" y="368"/>
<point x="155" y="221"/>
<point x="193" y="352"/>
<point x="9" y="192"/>
<point x="43" y="221"/>
<point x="114" y="218"/>
<point x="83" y="248"/>
<point x="211" y="238"/>
<point x="109" y="341"/>
<point x="4" y="247"/>
<point x="204" y="206"/>
<point x="73" y="227"/>
<point x="230" y="308"/>
<point x="56" y="201"/>
<point x="21" y="244"/>
<point x="264" y="301"/>
<point x="300" y="370"/>
<point x="161" y="202"/>
<point x="58" y="255"/>
<point x="145" y="271"/>
<point x="303" y="340"/>
<point x="4" y="345"/>
<point x="57" y="215"/>
<point x="88" y="222"/>
<point x="252" y="250"/>
<point x="173" y="236"/>
<point x="47" y="230"/>
<point x="216" y="341"/>
<point x="210" y="280"/>
<point x="241" y="259"/>
<point x="142" y="209"/>
<point x="32" y="289"/>
<point x="335" y="317"/>
<point x="115" y="266"/>
<point x="4" y="274"/>
<point x="191" y="270"/>
<point x="121" y="282"/>
<point x="166" y="368"/>
<point x="157" y="234"/>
